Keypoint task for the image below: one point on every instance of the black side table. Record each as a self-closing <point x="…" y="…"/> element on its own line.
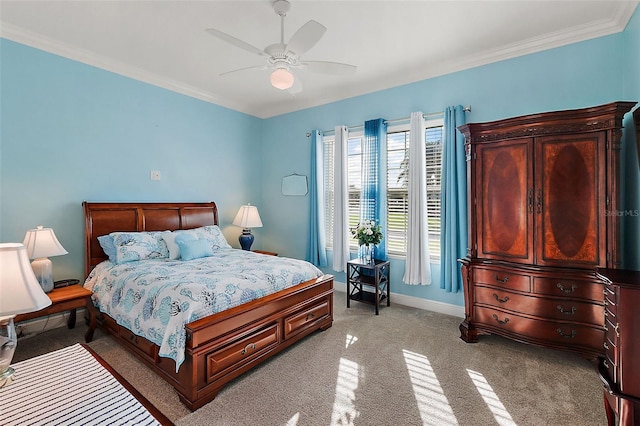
<point x="368" y="282"/>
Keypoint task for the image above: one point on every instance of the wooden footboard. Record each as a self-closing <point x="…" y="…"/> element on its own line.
<point x="223" y="346"/>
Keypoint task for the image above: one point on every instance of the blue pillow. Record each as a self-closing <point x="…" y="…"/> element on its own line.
<point x="194" y="249"/>
<point x="109" y="247"/>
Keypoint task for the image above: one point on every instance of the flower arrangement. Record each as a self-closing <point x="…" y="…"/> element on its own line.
<point x="367" y="233"/>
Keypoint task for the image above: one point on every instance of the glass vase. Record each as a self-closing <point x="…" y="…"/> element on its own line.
<point x="369" y="253"/>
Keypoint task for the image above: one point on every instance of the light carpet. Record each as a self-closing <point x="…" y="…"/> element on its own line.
<point x="405" y="366"/>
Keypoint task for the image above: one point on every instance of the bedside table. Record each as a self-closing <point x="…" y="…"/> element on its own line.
<point x="67" y="299"/>
<point x="368" y="282"/>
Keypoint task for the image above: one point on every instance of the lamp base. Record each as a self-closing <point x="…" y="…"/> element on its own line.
<point x="6" y="377"/>
<point x="8" y="343"/>
<point x="43" y="269"/>
<point x="246" y="239"/>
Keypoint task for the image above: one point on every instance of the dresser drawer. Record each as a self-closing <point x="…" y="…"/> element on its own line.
<point x="542" y="331"/>
<point x="564" y="310"/>
<point x="612" y="371"/>
<point x="589" y="290"/>
<point x="500" y="278"/>
<point x="304" y="319"/>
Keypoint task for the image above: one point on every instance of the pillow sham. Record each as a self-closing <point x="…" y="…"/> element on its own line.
<point x="214" y="235"/>
<point x="108" y="247"/>
<point x="133" y="246"/>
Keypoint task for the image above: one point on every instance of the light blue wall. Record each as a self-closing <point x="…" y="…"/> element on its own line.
<point x="65" y="127"/>
<point x="71" y="132"/>
<point x="574" y="76"/>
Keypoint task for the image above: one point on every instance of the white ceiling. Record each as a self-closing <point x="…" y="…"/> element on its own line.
<point x="391" y="42"/>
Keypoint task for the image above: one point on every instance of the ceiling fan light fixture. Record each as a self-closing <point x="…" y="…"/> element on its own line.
<point x="282" y="79"/>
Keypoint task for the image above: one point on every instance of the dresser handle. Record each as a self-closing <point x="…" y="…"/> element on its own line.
<point x="617" y="329"/>
<point x="502" y="280"/>
<point x="562" y="311"/>
<point x="567" y="290"/>
<point x="506" y="299"/>
<point x="606" y="346"/>
<point x="503" y="322"/>
<point x="606" y="364"/>
<point x="567" y="336"/>
<point x="312" y="316"/>
<point x="539" y="202"/>
<point x="530" y="201"/>
<point x="249" y="346"/>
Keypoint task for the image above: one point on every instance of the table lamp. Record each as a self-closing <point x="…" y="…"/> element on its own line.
<point x="42" y="243"/>
<point x="20" y="293"/>
<point x="247" y="218"/>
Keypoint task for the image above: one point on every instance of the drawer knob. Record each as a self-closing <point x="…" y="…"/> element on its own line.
<point x="249" y="346"/>
<point x="502" y="280"/>
<point x="570" y="312"/>
<point x="567" y="290"/>
<point x="567" y="336"/>
<point x="310" y="316"/>
<point x="499" y="321"/>
<point x="506" y="299"/>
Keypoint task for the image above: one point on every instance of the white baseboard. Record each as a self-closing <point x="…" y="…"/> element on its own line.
<point x="416" y="302"/>
<point x="36" y="326"/>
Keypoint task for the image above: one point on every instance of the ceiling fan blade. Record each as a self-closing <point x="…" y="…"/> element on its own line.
<point x="235" y="41"/>
<point x="244" y="69"/>
<point x="297" y="86"/>
<point x="332" y="68"/>
<point x="306" y="37"/>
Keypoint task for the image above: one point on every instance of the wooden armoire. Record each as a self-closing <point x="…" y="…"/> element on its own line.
<point x="543" y="202"/>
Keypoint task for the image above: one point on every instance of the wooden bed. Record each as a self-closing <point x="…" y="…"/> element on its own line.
<point x="222" y="346"/>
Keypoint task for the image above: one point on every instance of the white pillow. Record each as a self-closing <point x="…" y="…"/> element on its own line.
<point x="170" y="239"/>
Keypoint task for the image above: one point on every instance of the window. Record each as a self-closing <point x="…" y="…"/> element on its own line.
<point x="398" y="140"/>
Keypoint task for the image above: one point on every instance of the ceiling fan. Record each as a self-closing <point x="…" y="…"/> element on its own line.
<point x="283" y="57"/>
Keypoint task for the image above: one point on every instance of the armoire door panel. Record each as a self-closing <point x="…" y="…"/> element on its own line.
<point x="568" y="181"/>
<point x="505" y="200"/>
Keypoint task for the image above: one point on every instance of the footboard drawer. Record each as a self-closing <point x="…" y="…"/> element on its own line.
<point x="299" y="321"/>
<point x="139" y="343"/>
<point x="241" y="351"/>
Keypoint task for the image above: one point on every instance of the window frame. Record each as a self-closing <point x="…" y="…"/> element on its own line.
<point x="434" y="235"/>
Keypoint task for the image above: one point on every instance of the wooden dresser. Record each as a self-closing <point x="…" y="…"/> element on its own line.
<point x="620" y="365"/>
<point x="540" y="189"/>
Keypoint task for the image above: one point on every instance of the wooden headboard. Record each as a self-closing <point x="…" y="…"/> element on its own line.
<point x="104" y="218"/>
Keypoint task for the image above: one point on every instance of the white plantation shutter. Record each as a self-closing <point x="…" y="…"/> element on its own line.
<point x="434" y="175"/>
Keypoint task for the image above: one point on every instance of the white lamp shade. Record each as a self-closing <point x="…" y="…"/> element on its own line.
<point x="20" y="291"/>
<point x="248" y="217"/>
<point x="42" y="242"/>
<point x="282" y="79"/>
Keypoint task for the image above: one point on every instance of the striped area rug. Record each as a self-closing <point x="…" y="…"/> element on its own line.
<point x="65" y="387"/>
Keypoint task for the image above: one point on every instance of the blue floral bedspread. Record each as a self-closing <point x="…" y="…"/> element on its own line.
<point x="156" y="298"/>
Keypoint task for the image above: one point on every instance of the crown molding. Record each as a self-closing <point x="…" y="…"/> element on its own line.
<point x="603" y="27"/>
<point x="617" y="23"/>
<point x="38" y="41"/>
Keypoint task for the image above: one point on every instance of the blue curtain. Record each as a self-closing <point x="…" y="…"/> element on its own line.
<point x="454" y="236"/>
<point x="373" y="196"/>
<point x="316" y="252"/>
